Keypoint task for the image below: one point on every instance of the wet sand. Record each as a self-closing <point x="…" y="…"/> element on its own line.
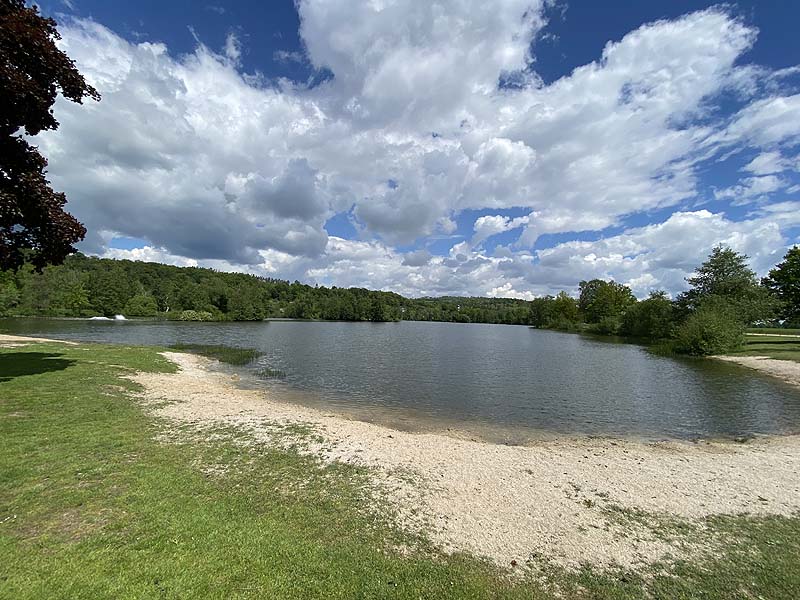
<point x="787" y="370"/>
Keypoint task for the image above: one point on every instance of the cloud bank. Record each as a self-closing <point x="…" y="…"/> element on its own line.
<point x="212" y="166"/>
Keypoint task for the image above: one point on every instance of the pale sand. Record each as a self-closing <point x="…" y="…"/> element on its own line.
<point x="10" y="341"/>
<point x="511" y="503"/>
<point x="786" y="335"/>
<point x="787" y="370"/>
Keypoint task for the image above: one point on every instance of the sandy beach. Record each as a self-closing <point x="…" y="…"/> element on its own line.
<point x="10" y="341"/>
<point x="556" y="499"/>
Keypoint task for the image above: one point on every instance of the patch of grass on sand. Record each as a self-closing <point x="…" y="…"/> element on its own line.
<point x="227" y="354"/>
<point x="782" y="348"/>
<point x="95" y="504"/>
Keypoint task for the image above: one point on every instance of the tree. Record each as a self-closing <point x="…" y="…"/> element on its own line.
<point x="650" y="319"/>
<point x="725" y="279"/>
<point x="784" y="282"/>
<point x="68" y="295"/>
<point x="541" y="311"/>
<point x="109" y="291"/>
<point x="724" y="273"/>
<point x="604" y="301"/>
<point x="33" y="222"/>
<point x="564" y="312"/>
<point x="588" y="292"/>
<point x="141" y="305"/>
<point x="244" y="305"/>
<point x="9" y="293"/>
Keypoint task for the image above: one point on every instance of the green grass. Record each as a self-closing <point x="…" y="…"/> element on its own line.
<point x="227" y="354"/>
<point x="778" y="330"/>
<point x="782" y="348"/>
<point x="94" y="504"/>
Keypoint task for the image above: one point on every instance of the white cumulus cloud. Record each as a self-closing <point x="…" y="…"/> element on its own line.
<point x="210" y="164"/>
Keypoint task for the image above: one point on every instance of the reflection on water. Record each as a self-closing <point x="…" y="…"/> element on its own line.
<point x="508" y="382"/>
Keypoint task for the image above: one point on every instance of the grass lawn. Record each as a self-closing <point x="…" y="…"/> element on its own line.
<point x="780" y="347"/>
<point x="93" y="505"/>
<point x="776" y="330"/>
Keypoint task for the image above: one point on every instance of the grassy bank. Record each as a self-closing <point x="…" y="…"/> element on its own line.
<point x="785" y="346"/>
<point x="94" y="503"/>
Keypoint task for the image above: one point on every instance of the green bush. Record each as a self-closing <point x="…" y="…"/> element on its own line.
<point x="9" y="297"/>
<point x="563" y="324"/>
<point x="196" y="315"/>
<point x="710" y="330"/>
<point x="651" y="319"/>
<point x="141" y="305"/>
<point x="606" y="326"/>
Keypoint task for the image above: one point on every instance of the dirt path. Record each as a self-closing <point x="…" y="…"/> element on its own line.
<point x="788" y="370"/>
<point x="555" y="499"/>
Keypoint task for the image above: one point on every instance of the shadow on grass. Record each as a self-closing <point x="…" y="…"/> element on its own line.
<point x="19" y="364"/>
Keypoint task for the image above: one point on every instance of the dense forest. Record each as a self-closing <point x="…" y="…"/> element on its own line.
<point x="85" y="286"/>
<point x="723" y="299"/>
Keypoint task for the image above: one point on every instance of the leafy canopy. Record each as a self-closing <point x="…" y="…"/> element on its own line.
<point x="652" y="318"/>
<point x="724" y="273"/>
<point x="726" y="281"/>
<point x="784" y="281"/>
<point x="33" y="71"/>
<point x="601" y="300"/>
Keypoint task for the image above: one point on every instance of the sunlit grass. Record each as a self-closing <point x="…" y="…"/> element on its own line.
<point x="778" y="347"/>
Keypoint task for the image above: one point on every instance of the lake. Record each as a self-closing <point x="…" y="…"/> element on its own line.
<point x="502" y="382"/>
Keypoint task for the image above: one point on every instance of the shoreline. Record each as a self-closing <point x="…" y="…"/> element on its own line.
<point x="476" y="431"/>
<point x="7" y="339"/>
<point x="559" y="498"/>
<point x="787" y="371"/>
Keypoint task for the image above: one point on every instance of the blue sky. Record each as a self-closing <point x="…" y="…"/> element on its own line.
<point x="507" y="149"/>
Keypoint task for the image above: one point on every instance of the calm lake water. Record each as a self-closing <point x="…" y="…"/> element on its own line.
<point x="507" y="383"/>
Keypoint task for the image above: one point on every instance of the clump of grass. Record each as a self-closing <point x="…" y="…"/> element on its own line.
<point x="269" y="373"/>
<point x="227" y="354"/>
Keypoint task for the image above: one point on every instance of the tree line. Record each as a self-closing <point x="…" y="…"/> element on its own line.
<point x="86" y="286"/>
<point x="724" y="297"/>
